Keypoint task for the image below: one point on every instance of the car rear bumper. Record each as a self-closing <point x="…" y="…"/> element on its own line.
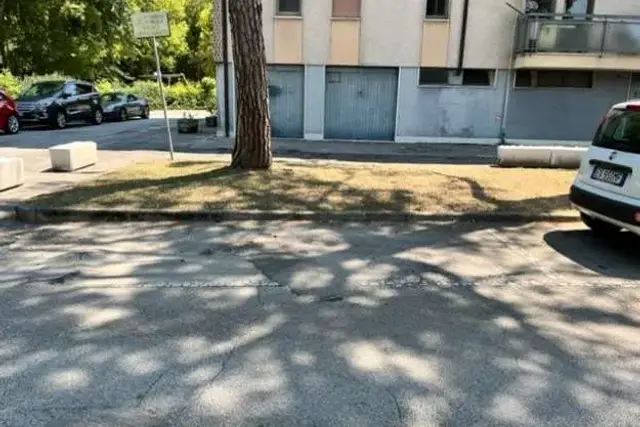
<point x="604" y="208"/>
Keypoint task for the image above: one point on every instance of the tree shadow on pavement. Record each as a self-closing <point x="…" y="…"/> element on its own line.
<point x="368" y="325"/>
<point x="614" y="256"/>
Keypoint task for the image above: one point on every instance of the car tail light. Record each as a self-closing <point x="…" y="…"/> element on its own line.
<point x="636" y="216"/>
<point x="632" y="107"/>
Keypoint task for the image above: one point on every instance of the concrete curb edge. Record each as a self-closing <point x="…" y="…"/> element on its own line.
<point x="46" y="214"/>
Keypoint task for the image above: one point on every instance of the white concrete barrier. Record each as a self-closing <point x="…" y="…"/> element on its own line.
<point x="567" y="157"/>
<point x="11" y="172"/>
<point x="540" y="157"/>
<point x="74" y="155"/>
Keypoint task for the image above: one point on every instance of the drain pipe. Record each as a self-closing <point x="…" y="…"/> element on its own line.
<point x="463" y="37"/>
<point x="509" y="82"/>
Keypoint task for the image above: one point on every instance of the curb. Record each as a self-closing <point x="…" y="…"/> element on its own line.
<point x="45" y="214"/>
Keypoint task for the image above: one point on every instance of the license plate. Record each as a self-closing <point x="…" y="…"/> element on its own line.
<point x="610" y="176"/>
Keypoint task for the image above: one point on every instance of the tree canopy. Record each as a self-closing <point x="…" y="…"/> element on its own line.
<point x="93" y="38"/>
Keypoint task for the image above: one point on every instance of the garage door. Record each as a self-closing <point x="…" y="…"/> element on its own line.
<point x="286" y="100"/>
<point x="360" y="103"/>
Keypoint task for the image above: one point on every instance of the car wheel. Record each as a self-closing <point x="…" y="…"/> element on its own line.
<point x="145" y="112"/>
<point x="12" y="126"/>
<point x="123" y="115"/>
<point x="97" y="117"/>
<point x="60" y="120"/>
<point x="600" y="228"/>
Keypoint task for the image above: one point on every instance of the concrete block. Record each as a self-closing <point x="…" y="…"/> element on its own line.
<point x="74" y="155"/>
<point x="517" y="156"/>
<point x="541" y="157"/>
<point x="11" y="172"/>
<point x="567" y="157"/>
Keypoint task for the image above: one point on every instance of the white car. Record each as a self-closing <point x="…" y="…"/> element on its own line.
<point x="607" y="188"/>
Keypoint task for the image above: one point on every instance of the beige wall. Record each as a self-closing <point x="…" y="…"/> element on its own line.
<point x="579" y="62"/>
<point x="391" y="32"/>
<point x="268" y="12"/>
<point x="490" y="30"/>
<point x="435" y="43"/>
<point x="345" y="42"/>
<point x="490" y="33"/>
<point x="316" y="30"/>
<point x="287" y="41"/>
<point x="395" y="33"/>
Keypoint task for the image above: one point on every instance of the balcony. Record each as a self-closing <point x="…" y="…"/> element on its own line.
<point x="578" y="42"/>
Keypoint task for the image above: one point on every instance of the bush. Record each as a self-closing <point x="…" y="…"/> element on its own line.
<point x="180" y="96"/>
<point x="9" y="83"/>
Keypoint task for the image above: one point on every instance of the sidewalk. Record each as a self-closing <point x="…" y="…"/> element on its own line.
<point x="39" y="179"/>
<point x="361" y="151"/>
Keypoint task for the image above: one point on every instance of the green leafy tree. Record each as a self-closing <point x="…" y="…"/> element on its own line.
<point x="89" y="38"/>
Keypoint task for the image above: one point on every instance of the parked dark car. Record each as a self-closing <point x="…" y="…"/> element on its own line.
<point x="59" y="102"/>
<point x="9" y="122"/>
<point x="123" y="106"/>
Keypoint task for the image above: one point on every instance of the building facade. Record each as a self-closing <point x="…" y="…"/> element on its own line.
<point x="445" y="70"/>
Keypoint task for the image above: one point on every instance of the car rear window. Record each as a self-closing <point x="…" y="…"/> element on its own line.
<point x="620" y="131"/>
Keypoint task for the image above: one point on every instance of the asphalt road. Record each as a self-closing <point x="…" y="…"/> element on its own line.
<point x="296" y="324"/>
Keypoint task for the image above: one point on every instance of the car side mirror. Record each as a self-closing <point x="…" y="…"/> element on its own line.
<point x="65" y="95"/>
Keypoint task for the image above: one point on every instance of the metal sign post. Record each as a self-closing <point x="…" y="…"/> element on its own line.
<point x="164" y="99"/>
<point x="153" y="25"/>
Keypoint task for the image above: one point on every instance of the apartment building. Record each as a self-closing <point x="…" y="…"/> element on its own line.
<point x="445" y="70"/>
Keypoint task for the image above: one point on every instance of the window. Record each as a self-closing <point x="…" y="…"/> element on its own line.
<point x="473" y="77"/>
<point x="524" y="78"/>
<point x="437" y="9"/>
<point x="289" y="7"/>
<point x="449" y="77"/>
<point x="554" y="78"/>
<point x="131" y="98"/>
<point x="346" y="8"/>
<point x="84" y="89"/>
<point x="434" y="76"/>
<point x="71" y="90"/>
<point x="620" y="131"/>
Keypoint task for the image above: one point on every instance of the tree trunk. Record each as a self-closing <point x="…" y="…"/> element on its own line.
<point x="252" y="148"/>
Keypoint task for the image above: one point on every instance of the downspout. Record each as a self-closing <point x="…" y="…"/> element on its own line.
<point x="510" y="71"/>
<point x="463" y="37"/>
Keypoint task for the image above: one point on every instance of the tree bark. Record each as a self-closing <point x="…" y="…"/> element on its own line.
<point x="252" y="149"/>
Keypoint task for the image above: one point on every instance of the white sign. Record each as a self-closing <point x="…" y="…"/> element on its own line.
<point x="150" y="24"/>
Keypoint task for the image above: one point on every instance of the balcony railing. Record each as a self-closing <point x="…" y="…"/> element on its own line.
<point x="591" y="34"/>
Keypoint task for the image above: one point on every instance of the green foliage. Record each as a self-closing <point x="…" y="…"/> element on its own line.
<point x="180" y="96"/>
<point x="9" y="83"/>
<point x="87" y="38"/>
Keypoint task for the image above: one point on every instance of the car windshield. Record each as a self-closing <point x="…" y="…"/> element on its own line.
<point x="43" y="89"/>
<point x="111" y="97"/>
<point x="620" y="131"/>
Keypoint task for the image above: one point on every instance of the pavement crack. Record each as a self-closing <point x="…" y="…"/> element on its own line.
<point x="225" y="362"/>
<point x="179" y="413"/>
<point x="396" y="402"/>
<point x="142" y="396"/>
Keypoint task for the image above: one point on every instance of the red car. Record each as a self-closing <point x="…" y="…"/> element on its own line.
<point x="9" y="121"/>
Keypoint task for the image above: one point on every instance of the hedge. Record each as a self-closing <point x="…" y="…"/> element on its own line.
<point x="180" y="96"/>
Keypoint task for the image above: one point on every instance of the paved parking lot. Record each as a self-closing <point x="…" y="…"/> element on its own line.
<point x="150" y="135"/>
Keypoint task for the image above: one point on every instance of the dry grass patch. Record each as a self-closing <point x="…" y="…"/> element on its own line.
<point x="337" y="187"/>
